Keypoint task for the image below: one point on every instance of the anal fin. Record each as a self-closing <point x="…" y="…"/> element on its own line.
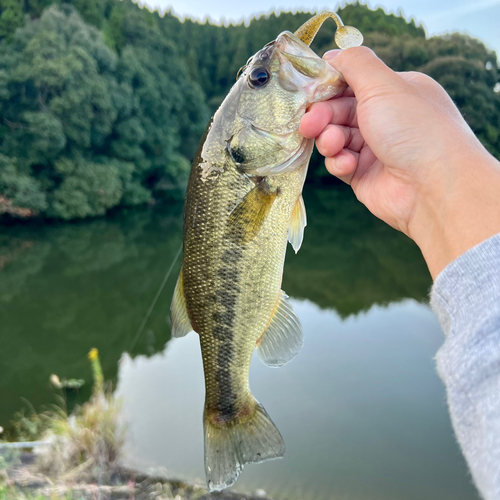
<point x="179" y="319"/>
<point x="298" y="222"/>
<point x="284" y="338"/>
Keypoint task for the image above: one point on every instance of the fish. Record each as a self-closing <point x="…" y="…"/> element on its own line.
<point x="243" y="203"/>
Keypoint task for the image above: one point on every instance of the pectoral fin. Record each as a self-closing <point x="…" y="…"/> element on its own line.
<point x="179" y="319"/>
<point x="297" y="224"/>
<point x="249" y="215"/>
<point x="283" y="339"/>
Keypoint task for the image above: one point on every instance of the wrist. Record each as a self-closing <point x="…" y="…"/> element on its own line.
<point x="458" y="209"/>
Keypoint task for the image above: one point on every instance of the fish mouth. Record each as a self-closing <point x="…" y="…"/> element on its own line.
<point x="291" y="44"/>
<point x="301" y="68"/>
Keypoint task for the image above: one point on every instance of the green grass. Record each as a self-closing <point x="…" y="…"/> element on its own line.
<point x="86" y="445"/>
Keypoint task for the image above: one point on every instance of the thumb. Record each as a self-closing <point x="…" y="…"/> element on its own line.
<point x="363" y="71"/>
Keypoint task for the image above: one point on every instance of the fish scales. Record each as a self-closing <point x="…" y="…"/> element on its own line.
<point x="243" y="203"/>
<point x="231" y="302"/>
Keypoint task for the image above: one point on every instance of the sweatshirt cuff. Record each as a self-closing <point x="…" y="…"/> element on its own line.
<point x="468" y="286"/>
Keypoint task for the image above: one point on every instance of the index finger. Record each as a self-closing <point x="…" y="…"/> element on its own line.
<point x="337" y="111"/>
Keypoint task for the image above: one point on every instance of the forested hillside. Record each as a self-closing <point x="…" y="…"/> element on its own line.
<point x="102" y="103"/>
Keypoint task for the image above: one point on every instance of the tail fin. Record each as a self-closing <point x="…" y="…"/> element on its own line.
<point x="230" y="446"/>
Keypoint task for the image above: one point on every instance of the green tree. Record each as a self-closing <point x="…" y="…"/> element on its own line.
<point x="92" y="11"/>
<point x="11" y="16"/>
<point x="34" y="8"/>
<point x="59" y="103"/>
<point x="124" y="94"/>
<point x="93" y="128"/>
<point x="20" y="189"/>
<point x="168" y="115"/>
<point x="87" y="189"/>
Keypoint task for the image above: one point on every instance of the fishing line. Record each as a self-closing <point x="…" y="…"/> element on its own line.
<point x="158" y="293"/>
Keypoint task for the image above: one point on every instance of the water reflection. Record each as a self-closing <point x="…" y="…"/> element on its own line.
<point x="361" y="409"/>
<point x="67" y="288"/>
<point x="351" y="260"/>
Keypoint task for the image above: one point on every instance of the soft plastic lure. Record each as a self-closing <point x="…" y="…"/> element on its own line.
<point x="345" y="36"/>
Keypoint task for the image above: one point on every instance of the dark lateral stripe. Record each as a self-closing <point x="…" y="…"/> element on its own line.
<point x="227" y="396"/>
<point x="226" y="298"/>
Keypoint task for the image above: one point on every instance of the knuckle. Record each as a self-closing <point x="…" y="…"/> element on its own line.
<point x="353" y="54"/>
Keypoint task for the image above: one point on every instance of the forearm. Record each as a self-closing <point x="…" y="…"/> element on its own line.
<point x="459" y="208"/>
<point x="466" y="298"/>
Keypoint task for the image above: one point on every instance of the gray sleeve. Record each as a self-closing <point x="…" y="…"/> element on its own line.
<point x="466" y="299"/>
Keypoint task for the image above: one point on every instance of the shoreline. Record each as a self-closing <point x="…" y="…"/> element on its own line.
<point x="20" y="481"/>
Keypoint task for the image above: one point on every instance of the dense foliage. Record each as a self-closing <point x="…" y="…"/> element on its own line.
<point x="84" y="128"/>
<point x="102" y="103"/>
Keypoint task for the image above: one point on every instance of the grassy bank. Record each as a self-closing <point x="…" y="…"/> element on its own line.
<point x="81" y="456"/>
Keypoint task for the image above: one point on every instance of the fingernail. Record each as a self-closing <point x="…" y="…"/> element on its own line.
<point x="331" y="54"/>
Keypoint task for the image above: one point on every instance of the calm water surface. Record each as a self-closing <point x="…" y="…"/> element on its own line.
<point x="361" y="409"/>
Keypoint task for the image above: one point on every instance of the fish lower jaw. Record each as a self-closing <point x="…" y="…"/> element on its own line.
<point x="301" y="156"/>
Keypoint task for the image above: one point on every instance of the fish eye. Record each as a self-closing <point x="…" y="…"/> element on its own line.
<point x="258" y="77"/>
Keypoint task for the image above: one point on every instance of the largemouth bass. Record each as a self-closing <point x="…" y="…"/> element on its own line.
<point x="243" y="204"/>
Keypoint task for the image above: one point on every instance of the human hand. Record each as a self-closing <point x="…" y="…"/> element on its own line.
<point x="409" y="156"/>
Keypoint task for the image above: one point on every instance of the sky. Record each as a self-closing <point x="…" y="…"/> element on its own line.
<point x="479" y="18"/>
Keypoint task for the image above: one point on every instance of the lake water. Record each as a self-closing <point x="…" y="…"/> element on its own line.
<point x="361" y="409"/>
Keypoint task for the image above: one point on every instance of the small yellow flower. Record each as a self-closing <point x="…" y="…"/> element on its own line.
<point x="93" y="354"/>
